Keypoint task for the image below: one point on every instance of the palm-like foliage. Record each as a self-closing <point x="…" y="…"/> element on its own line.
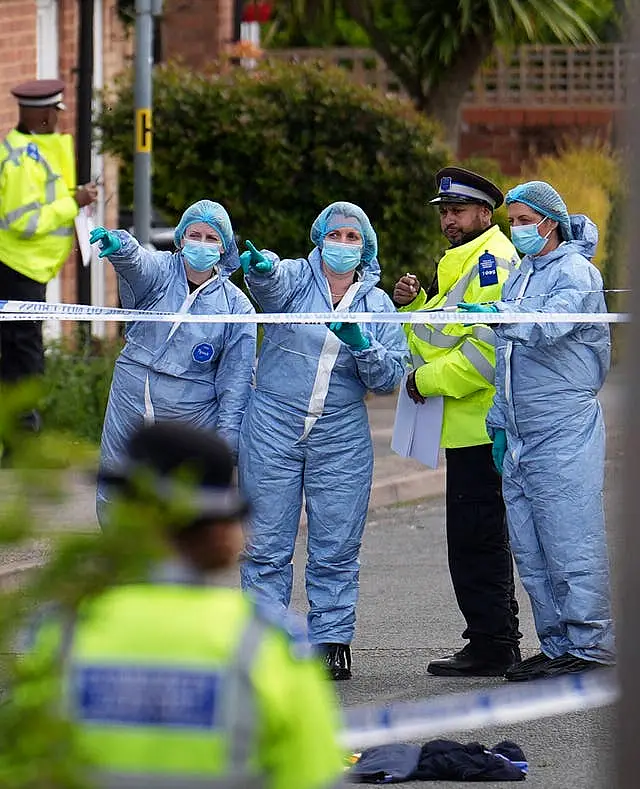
<point x="435" y="46"/>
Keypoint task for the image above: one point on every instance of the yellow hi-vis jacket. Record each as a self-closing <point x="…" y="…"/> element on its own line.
<point x="37" y="179"/>
<point x="455" y="360"/>
<point x="173" y="685"/>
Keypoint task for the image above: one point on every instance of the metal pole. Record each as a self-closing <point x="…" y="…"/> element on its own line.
<point x="237" y="19"/>
<point x="143" y="127"/>
<point x="84" y="125"/>
<point x="626" y="735"/>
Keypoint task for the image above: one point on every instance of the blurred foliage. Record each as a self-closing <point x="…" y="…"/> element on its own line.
<point x="288" y="29"/>
<point x="277" y="144"/>
<point x="436" y="48"/>
<point x="38" y="745"/>
<point x="76" y="386"/>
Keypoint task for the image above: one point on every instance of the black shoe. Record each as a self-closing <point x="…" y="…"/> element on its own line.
<point x="337" y="658"/>
<point x="467" y="663"/>
<point x="531" y="668"/>
<point x="569" y="664"/>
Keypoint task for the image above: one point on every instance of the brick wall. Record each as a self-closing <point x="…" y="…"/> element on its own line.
<point x="515" y="135"/>
<point x="18" y="45"/>
<point x="197" y="32"/>
<point x="18" y="48"/>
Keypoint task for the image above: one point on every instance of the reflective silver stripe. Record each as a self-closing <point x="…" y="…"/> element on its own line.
<point x="435" y="337"/>
<point x="480" y="363"/>
<point x="61" y="231"/>
<point x="14" y="215"/>
<point x="13" y="154"/>
<point x="439" y="339"/>
<point x="484" y="334"/>
<point x="109" y="780"/>
<point x="456" y="294"/>
<point x="32" y="225"/>
<point x="417" y="360"/>
<point x="241" y="710"/>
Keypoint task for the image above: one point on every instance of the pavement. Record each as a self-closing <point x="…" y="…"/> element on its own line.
<point x="407" y="614"/>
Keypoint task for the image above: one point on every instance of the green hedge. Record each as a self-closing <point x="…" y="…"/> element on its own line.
<point x="277" y="144"/>
<point x="76" y="387"/>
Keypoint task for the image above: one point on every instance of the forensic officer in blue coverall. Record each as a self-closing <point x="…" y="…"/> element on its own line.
<point x="548" y="432"/>
<point x="306" y="428"/>
<point x="199" y="373"/>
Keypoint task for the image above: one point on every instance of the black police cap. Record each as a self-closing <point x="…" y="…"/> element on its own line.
<point x="457" y="185"/>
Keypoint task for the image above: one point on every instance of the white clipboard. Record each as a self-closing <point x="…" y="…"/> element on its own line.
<point x="84" y="224"/>
<point x="417" y="428"/>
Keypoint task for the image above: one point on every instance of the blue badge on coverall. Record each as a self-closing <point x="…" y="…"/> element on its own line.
<point x="33" y="152"/>
<point x="487" y="269"/>
<point x="202" y="352"/>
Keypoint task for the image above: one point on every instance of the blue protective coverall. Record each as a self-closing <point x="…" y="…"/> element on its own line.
<point x="199" y="373"/>
<point x="292" y="441"/>
<point x="547" y="380"/>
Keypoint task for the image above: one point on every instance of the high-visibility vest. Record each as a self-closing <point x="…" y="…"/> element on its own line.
<point x="37" y="179"/>
<point x="455" y="360"/>
<point x="193" y="686"/>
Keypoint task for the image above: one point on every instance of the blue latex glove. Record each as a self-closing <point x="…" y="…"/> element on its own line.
<point x="109" y="243"/>
<point x="468" y="307"/>
<point x="351" y="335"/>
<point x="499" y="448"/>
<point x="255" y="260"/>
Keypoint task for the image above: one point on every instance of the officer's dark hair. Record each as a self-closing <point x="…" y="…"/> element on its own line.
<point x="168" y="447"/>
<point x="174" y="451"/>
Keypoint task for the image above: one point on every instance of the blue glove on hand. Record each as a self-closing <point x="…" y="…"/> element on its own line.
<point x="499" y="448"/>
<point x="109" y="243"/>
<point x="351" y="335"/>
<point x="255" y="260"/>
<point x="468" y="307"/>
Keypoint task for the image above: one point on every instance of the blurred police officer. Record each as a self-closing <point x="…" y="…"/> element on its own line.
<point x="38" y="203"/>
<point x="181" y="681"/>
<point x="458" y="362"/>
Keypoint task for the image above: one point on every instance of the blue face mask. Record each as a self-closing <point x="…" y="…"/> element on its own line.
<point x="527" y="240"/>
<point x="200" y="255"/>
<point x="341" y="258"/>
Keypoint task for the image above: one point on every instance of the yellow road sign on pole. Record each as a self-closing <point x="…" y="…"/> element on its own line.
<point x="143" y="130"/>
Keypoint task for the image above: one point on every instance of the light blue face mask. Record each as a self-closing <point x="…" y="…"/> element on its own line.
<point x="200" y="255"/>
<point x="527" y="239"/>
<point x="341" y="258"/>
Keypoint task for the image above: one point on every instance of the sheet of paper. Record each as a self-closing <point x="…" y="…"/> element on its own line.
<point x="84" y="225"/>
<point x="417" y="428"/>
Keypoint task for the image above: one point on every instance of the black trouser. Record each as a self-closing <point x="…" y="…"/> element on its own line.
<point x="480" y="560"/>
<point x="21" y="346"/>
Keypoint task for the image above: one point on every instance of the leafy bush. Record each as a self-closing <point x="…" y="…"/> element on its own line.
<point x="76" y="387"/>
<point x="277" y="144"/>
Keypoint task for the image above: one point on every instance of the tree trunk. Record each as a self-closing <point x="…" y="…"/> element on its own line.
<point x="446" y="94"/>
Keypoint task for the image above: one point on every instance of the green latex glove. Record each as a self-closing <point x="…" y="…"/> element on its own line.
<point x="468" y="307"/>
<point x="255" y="260"/>
<point x="351" y="335"/>
<point x="109" y="243"/>
<point x="499" y="448"/>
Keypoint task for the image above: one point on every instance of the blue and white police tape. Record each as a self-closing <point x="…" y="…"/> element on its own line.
<point x="400" y="721"/>
<point x="28" y="310"/>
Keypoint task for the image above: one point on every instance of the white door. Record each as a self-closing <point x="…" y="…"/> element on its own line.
<point x="48" y="68"/>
